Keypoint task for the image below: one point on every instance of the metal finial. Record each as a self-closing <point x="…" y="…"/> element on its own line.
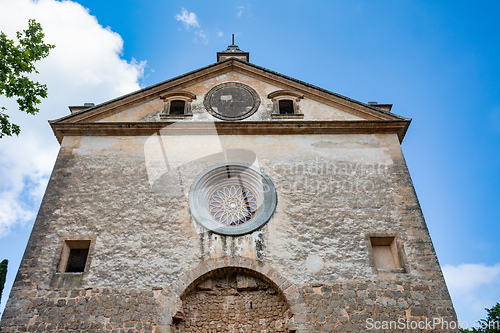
<point x="233" y="40"/>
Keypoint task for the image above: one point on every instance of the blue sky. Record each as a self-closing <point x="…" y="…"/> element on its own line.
<point x="437" y="62"/>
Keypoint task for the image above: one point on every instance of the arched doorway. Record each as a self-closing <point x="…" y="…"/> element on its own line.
<point x="232" y="300"/>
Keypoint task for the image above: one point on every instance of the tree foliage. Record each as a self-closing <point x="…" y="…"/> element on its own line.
<point x="17" y="60"/>
<point x="3" y="274"/>
<point x="489" y="325"/>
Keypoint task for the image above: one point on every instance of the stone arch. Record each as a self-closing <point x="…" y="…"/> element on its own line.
<point x="298" y="310"/>
<point x="232" y="299"/>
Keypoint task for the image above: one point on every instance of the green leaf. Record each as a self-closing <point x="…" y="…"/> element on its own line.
<point x="16" y="61"/>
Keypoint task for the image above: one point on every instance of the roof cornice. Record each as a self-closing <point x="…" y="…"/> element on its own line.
<point x="398" y="127"/>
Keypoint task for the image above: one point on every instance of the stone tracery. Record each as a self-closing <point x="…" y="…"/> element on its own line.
<point x="232" y="205"/>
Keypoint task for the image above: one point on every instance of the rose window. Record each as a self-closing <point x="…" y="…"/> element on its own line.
<point x="232" y="199"/>
<point x="232" y="205"/>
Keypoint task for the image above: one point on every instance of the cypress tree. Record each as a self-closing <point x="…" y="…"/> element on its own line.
<point x="3" y="274"/>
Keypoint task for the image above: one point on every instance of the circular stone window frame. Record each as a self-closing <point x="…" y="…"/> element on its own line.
<point x="215" y="177"/>
<point x="208" y="104"/>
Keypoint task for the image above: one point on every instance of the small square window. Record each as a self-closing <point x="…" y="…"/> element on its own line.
<point x="177" y="107"/>
<point x="385" y="253"/>
<point x="74" y="256"/>
<point x="77" y="260"/>
<point x="286" y="106"/>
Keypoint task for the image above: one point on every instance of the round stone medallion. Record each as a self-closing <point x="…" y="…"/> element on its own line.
<point x="232" y="199"/>
<point x="232" y="101"/>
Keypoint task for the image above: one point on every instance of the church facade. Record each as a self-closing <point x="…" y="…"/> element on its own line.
<point x="229" y="199"/>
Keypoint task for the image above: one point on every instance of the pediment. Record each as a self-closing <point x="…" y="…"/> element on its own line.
<point x="310" y="103"/>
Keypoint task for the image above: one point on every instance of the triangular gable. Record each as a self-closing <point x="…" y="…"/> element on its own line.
<point x="97" y="112"/>
<point x="152" y="94"/>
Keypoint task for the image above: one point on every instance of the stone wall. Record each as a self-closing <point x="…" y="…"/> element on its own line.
<point x="221" y="303"/>
<point x="87" y="310"/>
<point x="367" y="305"/>
<point x="131" y="198"/>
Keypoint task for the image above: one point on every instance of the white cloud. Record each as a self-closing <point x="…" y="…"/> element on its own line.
<point x="201" y="36"/>
<point x="467" y="277"/>
<point x="189" y="19"/>
<point x="473" y="287"/>
<point x="85" y="66"/>
<point x="240" y="11"/>
<point x="220" y="33"/>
